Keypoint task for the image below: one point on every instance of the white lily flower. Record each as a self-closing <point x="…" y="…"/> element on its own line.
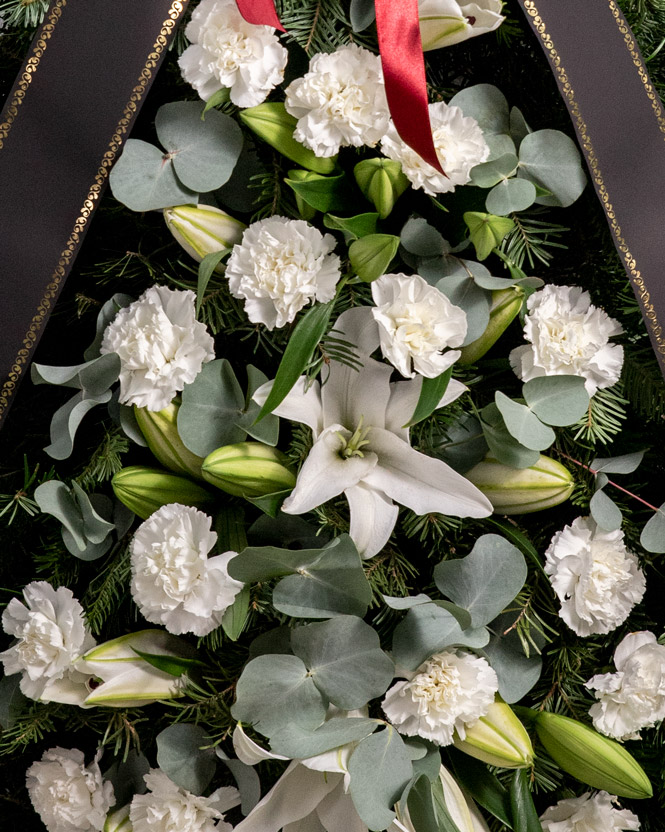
<point x="446" y="22"/>
<point x="362" y="447"/>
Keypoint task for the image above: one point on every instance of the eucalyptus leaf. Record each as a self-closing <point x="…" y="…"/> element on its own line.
<point x="302" y="343"/>
<point x="54" y="498"/>
<point x="523" y="425"/>
<point x="551" y="159"/>
<point x="557" y="400"/>
<point x="12" y="701"/>
<point x="95" y="527"/>
<point x="605" y="511"/>
<point x="127" y="775"/>
<point x="361" y="14"/>
<point x="66" y="420"/>
<point x="486" y="580"/>
<point x="503" y="446"/>
<point x="432" y="391"/>
<point x="517" y="673"/>
<point x="143" y="179"/>
<point x="420" y="803"/>
<point x="290" y="531"/>
<point x="246" y="779"/>
<point x="126" y="418"/>
<point x="106" y="314"/>
<point x="510" y="196"/>
<point x="487" y="105"/>
<point x="464" y="445"/>
<point x="344" y="659"/>
<point x="397" y="603"/>
<point x="95" y="375"/>
<point x="379" y="769"/>
<point x="277" y="690"/>
<point x="267" y="430"/>
<point x="206" y="268"/>
<point x="653" y="534"/>
<point x="625" y="464"/>
<point x="235" y="616"/>
<point x="297" y="743"/>
<point x="428" y="629"/>
<point x="422" y="239"/>
<point x="372" y="255"/>
<point x="461" y="290"/>
<point x="462" y="616"/>
<point x="489" y="174"/>
<point x="181" y="756"/>
<point x="202" y="152"/>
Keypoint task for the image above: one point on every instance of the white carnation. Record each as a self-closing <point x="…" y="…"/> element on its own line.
<point x="589" y="813"/>
<point x="569" y="337"/>
<point x="416" y="324"/>
<point x="597" y="580"/>
<point x="169" y="808"/>
<point x="161" y="346"/>
<point x="460" y="146"/>
<point x="174" y="583"/>
<point x="280" y="266"/>
<point x="634" y="697"/>
<point x="446" y="694"/>
<point x="227" y="52"/>
<point x="68" y="795"/>
<point x="51" y="635"/>
<point x="340" y="102"/>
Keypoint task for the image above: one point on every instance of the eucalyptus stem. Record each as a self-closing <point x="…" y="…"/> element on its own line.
<point x="609" y="481"/>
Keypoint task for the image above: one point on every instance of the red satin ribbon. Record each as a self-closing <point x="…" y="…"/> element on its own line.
<point x="401" y="50"/>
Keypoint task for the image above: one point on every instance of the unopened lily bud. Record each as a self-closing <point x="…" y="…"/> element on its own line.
<point x="144" y="490"/>
<point x="202" y="229"/>
<point x="522" y="490"/>
<point x="160" y="430"/>
<point x="118" y="820"/>
<point x="248" y="469"/>
<point x="270" y="122"/>
<point x="590" y="757"/>
<point x="506" y="304"/>
<point x="382" y="183"/>
<point x="305" y="210"/>
<point x="462" y="810"/>
<point x="498" y="738"/>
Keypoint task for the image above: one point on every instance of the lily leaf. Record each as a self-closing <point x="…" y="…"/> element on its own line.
<point x="431" y="393"/>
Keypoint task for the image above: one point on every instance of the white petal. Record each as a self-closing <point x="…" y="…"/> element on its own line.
<point x="338" y="814"/>
<point x="136" y="686"/>
<point x="309" y="824"/>
<point x="373" y="517"/>
<point x="421" y="483"/>
<point x="404" y="397"/>
<point x="249" y="752"/>
<point x="631" y="643"/>
<point x="325" y="474"/>
<point x="295" y="795"/>
<point x="225" y="798"/>
<point x="350" y="394"/>
<point x="300" y="405"/>
<point x="358" y="326"/>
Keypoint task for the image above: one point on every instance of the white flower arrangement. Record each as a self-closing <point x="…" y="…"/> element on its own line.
<point x="174" y="582"/>
<point x="633" y="698"/>
<point x="161" y="346"/>
<point x="279" y="267"/>
<point x="68" y="795"/>
<point x="596" y="578"/>
<point x="599" y="812"/>
<point x="459" y="143"/>
<point x="227" y="52"/>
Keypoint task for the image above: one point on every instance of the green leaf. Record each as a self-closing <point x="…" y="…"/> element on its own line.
<point x="275" y="690"/>
<point x="379" y="769"/>
<point x="181" y="756"/>
<point x="344" y="659"/>
<point x="551" y="159"/>
<point x="428" y="629"/>
<point x="372" y="255"/>
<point x="325" y="193"/>
<point x="502" y="445"/>
<point x="302" y="343"/>
<point x="465" y="444"/>
<point x="246" y="779"/>
<point x="487" y="105"/>
<point x="216" y="99"/>
<point x="422" y="811"/>
<point x="557" y="400"/>
<point x="296" y="742"/>
<point x="95" y="528"/>
<point x="510" y="196"/>
<point x="173" y="665"/>
<point x="206" y="268"/>
<point x="235" y="617"/>
<point x="486" y="231"/>
<point x="12" y="701"/>
<point x="95" y="376"/>
<point x="485" y="788"/>
<point x="361" y="14"/>
<point x="270" y="504"/>
<point x="523" y="425"/>
<point x="126" y="777"/>
<point x="520" y="540"/>
<point x="516" y="672"/>
<point x="353" y="227"/>
<point x="203" y="153"/>
<point x="66" y="421"/>
<point x="625" y="464"/>
<point x="605" y="511"/>
<point x="486" y="580"/>
<point x="489" y="174"/>
<point x="267" y="431"/>
<point x="420" y="238"/>
<point x="519" y="129"/>
<point x="143" y="179"/>
<point x="461" y="290"/>
<point x="53" y="497"/>
<point x="525" y="816"/>
<point x="653" y="534"/>
<point x="431" y="393"/>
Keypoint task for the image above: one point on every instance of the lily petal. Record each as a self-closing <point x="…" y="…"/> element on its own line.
<point x="404" y="397"/>
<point x="338" y="814"/>
<point x="137" y="686"/>
<point x="373" y="517"/>
<point x="249" y="752"/>
<point x="350" y="394"/>
<point x="423" y="484"/>
<point x="358" y="326"/>
<point x="325" y="473"/>
<point x="302" y="404"/>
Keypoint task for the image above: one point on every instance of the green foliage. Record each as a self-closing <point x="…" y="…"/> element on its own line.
<point x="319" y="25"/>
<point x="23" y="13"/>
<point x="107" y="591"/>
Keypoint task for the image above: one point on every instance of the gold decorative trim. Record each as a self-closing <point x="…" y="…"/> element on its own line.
<point x="58" y="276"/>
<point x="569" y="94"/>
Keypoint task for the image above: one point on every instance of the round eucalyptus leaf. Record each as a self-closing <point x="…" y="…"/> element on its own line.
<point x="551" y="159"/>
<point x="181" y="755"/>
<point x="295" y="741"/>
<point x="503" y="446"/>
<point x="499" y="144"/>
<point x="203" y="152"/>
<point x="420" y="238"/>
<point x="624" y="464"/>
<point x="461" y="290"/>
<point x="143" y="179"/>
<point x="519" y="129"/>
<point x="653" y="534"/>
<point x="605" y="511"/>
<point x="557" y="400"/>
<point x="510" y="196"/>
<point x="517" y="673"/>
<point x="488" y="174"/>
<point x="487" y="104"/>
<point x="523" y="425"/>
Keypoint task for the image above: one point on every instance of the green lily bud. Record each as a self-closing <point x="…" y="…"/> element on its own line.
<point x="498" y="738"/>
<point x="144" y="490"/>
<point x="270" y="122"/>
<point x="506" y="304"/>
<point x="522" y="490"/>
<point x="592" y="758"/>
<point x="202" y="229"/>
<point x="248" y="469"/>
<point x="160" y="430"/>
<point x="118" y="820"/>
<point x="305" y="210"/>
<point x="382" y="182"/>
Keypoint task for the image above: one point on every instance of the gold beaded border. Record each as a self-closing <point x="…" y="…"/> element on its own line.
<point x="568" y="93"/>
<point x="43" y="310"/>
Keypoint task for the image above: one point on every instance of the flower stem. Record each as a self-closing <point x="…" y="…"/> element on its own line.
<point x="609" y="481"/>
